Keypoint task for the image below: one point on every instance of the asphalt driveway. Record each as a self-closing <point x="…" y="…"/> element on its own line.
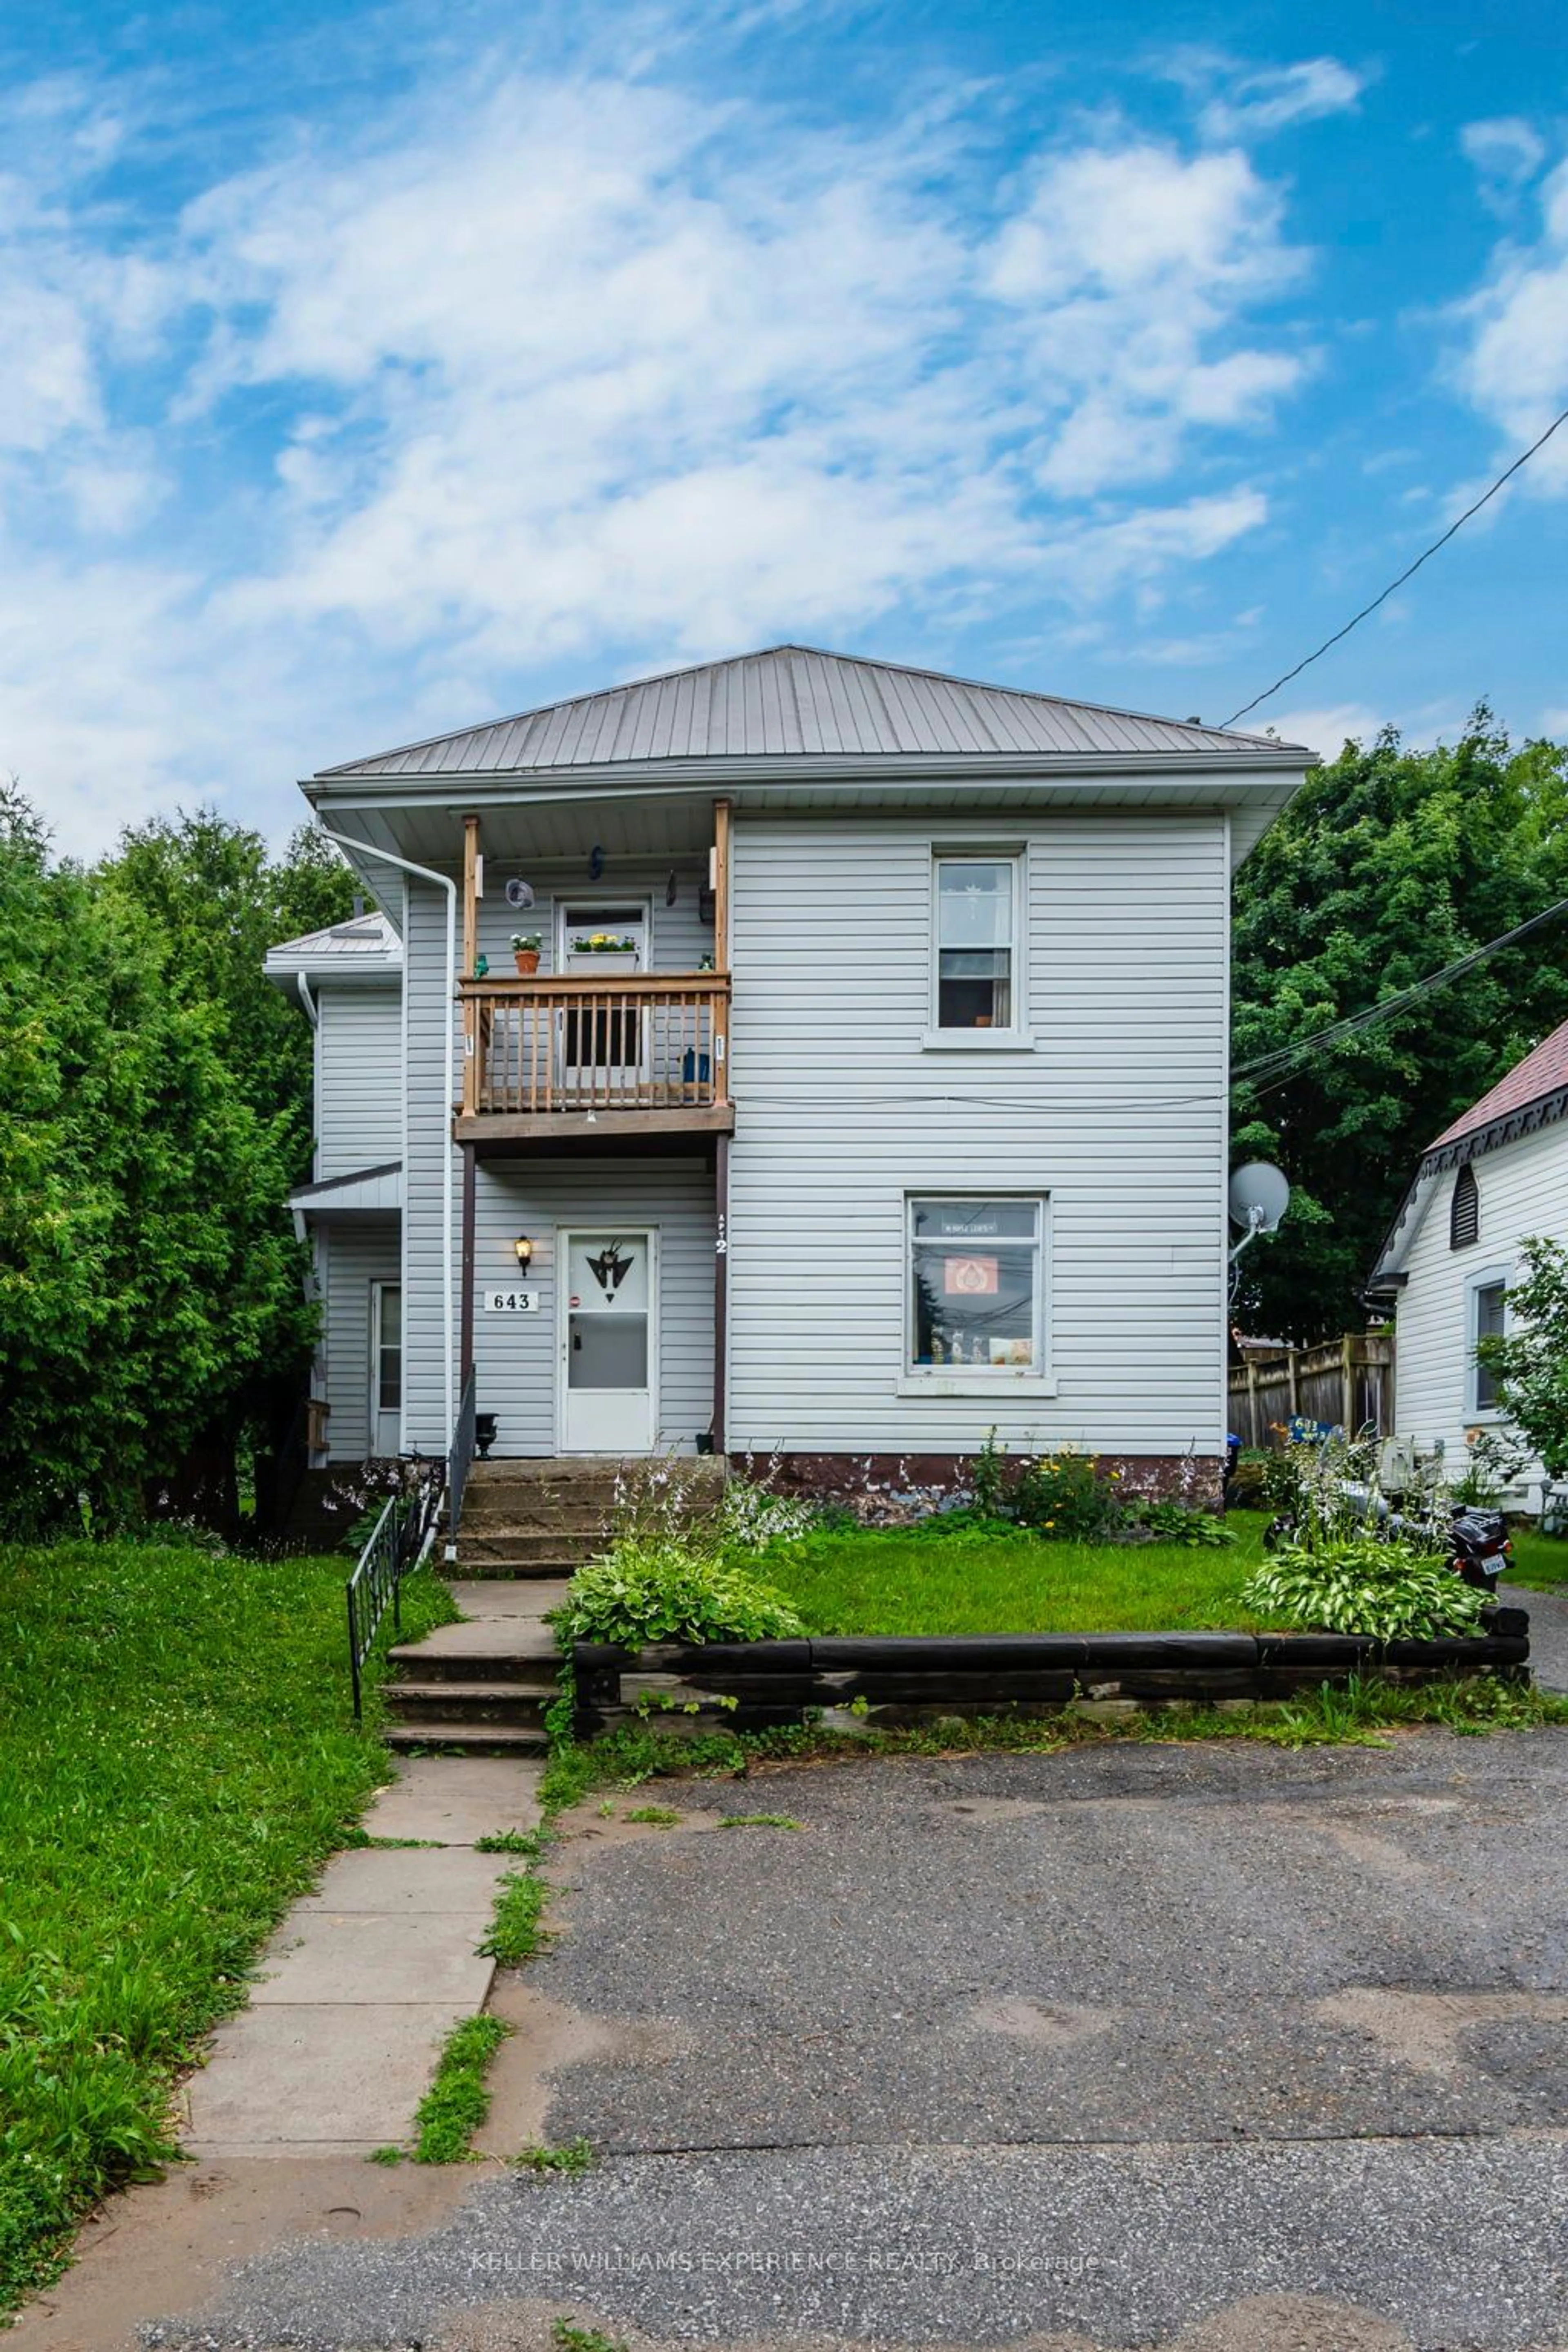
<point x="1129" y="2045"/>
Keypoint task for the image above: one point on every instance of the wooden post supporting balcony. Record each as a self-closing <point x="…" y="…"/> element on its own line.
<point x="721" y="947"/>
<point x="471" y="1015"/>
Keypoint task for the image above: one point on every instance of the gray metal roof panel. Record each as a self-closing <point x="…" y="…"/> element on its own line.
<point x="794" y="701"/>
<point x="362" y="935"/>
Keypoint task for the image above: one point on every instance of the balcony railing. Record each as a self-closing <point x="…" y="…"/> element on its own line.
<point x="649" y="1041"/>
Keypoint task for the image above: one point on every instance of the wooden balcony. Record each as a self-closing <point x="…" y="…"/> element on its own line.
<point x="592" y="1059"/>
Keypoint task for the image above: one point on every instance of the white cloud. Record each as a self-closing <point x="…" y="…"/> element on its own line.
<point x="1515" y="366"/>
<point x="1325" y="727"/>
<point x="1128" y="267"/>
<point x="1506" y="153"/>
<point x="1244" y="102"/>
<point x="580" y="366"/>
<point x="600" y="374"/>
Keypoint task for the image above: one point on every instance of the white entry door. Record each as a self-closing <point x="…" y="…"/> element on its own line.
<point x="385" y="1368"/>
<point x="608" y="1341"/>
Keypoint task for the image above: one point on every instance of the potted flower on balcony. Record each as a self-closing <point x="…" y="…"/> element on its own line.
<point x="525" y="947"/>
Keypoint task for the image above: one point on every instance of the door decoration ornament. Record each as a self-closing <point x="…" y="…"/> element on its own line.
<point x="610" y="1268"/>
<point x="518" y="893"/>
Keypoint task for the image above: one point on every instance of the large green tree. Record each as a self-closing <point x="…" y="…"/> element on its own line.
<point x="153" y="1105"/>
<point x="1389" y="864"/>
<point x="220" y="901"/>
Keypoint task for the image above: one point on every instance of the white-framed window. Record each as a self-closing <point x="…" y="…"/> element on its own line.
<point x="1485" y="1317"/>
<point x="975" y="1278"/>
<point x="977" y="899"/>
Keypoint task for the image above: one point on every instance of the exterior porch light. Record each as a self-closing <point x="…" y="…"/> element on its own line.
<point x="524" y="1249"/>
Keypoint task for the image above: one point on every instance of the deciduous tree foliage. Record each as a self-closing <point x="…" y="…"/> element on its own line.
<point x="1530" y="1360"/>
<point x="1388" y="865"/>
<point x="152" y="1111"/>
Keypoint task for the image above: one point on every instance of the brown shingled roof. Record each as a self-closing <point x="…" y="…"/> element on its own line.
<point x="1541" y="1073"/>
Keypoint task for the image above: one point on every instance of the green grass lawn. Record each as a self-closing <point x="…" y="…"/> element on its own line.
<point x="1539" y="1561"/>
<point x="878" y="1581"/>
<point x="176" y="1756"/>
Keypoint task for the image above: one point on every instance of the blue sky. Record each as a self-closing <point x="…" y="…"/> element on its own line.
<point x="375" y="370"/>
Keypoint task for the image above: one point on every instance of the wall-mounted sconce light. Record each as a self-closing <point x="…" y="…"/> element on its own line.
<point x="524" y="1249"/>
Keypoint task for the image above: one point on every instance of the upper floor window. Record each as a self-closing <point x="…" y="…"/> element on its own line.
<point x="1465" y="1210"/>
<point x="977" y="905"/>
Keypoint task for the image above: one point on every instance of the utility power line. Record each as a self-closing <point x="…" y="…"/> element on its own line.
<point x="1523" y="459"/>
<point x="1270" y="1066"/>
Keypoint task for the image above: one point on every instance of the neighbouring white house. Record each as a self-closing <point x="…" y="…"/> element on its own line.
<point x="1495" y="1178"/>
<point x="864" y="1090"/>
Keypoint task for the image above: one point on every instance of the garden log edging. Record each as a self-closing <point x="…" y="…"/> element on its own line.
<point x="751" y="1686"/>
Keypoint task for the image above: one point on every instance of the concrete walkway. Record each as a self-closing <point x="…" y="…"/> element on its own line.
<point x="367" y="1976"/>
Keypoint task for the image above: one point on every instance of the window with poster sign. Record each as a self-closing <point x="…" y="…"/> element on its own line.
<point x="976" y="1285"/>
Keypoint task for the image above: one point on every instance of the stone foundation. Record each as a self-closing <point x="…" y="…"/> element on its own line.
<point x="901" y="1485"/>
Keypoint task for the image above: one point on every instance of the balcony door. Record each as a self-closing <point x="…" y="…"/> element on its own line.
<point x="603" y="1044"/>
<point x="609" y="1325"/>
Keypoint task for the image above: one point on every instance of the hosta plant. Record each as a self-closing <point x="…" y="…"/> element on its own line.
<point x="665" y="1592"/>
<point x="1362" y="1585"/>
<point x="1179" y="1523"/>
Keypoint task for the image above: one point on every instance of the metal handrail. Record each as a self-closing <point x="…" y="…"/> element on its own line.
<point x="460" y="1460"/>
<point x="399" y="1540"/>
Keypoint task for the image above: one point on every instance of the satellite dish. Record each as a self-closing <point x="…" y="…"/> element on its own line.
<point x="1260" y="1196"/>
<point x="518" y="893"/>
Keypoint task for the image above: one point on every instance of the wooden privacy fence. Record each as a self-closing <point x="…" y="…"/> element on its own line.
<point x="1346" y="1382"/>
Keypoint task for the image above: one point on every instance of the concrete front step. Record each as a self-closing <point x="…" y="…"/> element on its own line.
<point x="533" y="1669"/>
<point x="466" y="1738"/>
<point x="528" y="1543"/>
<point x="502" y="1567"/>
<point x="515" y="1515"/>
<point x="487" y="1704"/>
<point x="577" y="1469"/>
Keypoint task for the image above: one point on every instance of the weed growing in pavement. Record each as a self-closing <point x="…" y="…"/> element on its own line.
<point x="567" y="2336"/>
<point x="458" y="2099"/>
<point x="529" y="1843"/>
<point x="516" y="1932"/>
<point x="575" y="2157"/>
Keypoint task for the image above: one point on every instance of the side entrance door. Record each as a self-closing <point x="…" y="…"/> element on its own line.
<point x="609" y="1323"/>
<point x="386" y="1369"/>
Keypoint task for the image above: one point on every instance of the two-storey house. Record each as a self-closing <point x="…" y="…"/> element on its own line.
<point x="869" y="1094"/>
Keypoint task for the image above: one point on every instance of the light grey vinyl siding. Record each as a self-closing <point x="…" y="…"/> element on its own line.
<point x="358" y="1121"/>
<point x="1117" y="1116"/>
<point x="516" y="1355"/>
<point x="679" y="937"/>
<point x="1521" y="1190"/>
<point x="352" y="1253"/>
